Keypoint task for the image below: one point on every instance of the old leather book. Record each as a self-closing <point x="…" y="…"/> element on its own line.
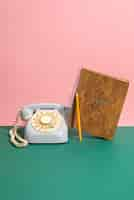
<point x="101" y="102"/>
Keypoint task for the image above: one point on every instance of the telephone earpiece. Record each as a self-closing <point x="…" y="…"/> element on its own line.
<point x="26" y="113"/>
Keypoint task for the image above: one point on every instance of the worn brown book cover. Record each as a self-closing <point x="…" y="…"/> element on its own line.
<point x="101" y="101"/>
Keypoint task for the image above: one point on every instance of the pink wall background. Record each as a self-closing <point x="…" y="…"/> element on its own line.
<point x="44" y="43"/>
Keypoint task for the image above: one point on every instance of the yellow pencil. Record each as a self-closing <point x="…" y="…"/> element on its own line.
<point x="78" y="116"/>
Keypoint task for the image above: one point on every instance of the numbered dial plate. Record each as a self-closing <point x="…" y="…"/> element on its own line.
<point x="46" y="120"/>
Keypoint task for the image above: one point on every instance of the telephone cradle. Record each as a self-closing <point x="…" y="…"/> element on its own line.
<point x="45" y="123"/>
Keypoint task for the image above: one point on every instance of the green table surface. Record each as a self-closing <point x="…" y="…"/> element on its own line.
<point x="95" y="169"/>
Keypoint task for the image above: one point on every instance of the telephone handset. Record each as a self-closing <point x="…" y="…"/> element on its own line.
<point x="45" y="123"/>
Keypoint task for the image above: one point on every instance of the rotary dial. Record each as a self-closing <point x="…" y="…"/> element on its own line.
<point x="46" y="120"/>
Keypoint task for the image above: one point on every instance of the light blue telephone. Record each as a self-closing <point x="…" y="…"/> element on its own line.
<point x="45" y="123"/>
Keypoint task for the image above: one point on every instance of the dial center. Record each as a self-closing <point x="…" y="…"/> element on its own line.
<point x="45" y="119"/>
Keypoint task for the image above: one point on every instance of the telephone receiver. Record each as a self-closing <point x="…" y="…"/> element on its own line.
<point x="45" y="123"/>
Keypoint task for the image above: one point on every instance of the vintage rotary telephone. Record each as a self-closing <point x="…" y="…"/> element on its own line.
<point x="45" y="123"/>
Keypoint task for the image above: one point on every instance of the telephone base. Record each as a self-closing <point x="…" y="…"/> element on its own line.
<point x="60" y="135"/>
